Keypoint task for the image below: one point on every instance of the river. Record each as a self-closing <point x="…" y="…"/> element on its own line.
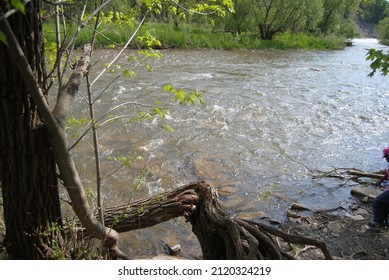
<point x="269" y="119"/>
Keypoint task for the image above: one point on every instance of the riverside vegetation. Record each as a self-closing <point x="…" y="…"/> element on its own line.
<point x="191" y="36"/>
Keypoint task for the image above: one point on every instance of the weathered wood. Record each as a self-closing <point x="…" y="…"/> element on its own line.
<point x="375" y="175"/>
<point x="352" y="173"/>
<point x="290" y="238"/>
<point x="220" y="236"/>
<point x="148" y="212"/>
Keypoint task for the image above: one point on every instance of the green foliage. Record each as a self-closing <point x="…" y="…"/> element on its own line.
<point x="126" y="161"/>
<point x="149" y="41"/>
<point x="168" y="128"/>
<point x="175" y="24"/>
<point x="306" y="41"/>
<point x="3" y="38"/>
<point x="74" y="126"/>
<point x="383" y="31"/>
<point x="161" y="197"/>
<point x="116" y="18"/>
<point x="148" y="54"/>
<point x="153" y="5"/>
<point x="276" y="16"/>
<point x="161" y="112"/>
<point x="18" y="4"/>
<point x="141" y="178"/>
<point x="183" y="97"/>
<point x="380" y="62"/>
<point x="338" y="15"/>
<point x="187" y="36"/>
<point x="373" y="11"/>
<point x="51" y="54"/>
<point x="67" y="243"/>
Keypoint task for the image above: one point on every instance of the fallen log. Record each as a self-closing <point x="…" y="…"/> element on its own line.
<point x="150" y="211"/>
<point x="374" y="175"/>
<point x="219" y="235"/>
<point x="351" y="174"/>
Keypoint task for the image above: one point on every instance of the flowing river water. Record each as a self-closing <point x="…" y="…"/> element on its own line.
<point x="269" y="119"/>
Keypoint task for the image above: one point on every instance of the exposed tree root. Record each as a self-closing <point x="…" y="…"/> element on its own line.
<point x="220" y="236"/>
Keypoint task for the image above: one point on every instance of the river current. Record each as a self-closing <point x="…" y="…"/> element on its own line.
<point x="270" y="118"/>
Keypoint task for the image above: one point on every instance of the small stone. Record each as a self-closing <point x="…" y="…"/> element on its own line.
<point x="357" y="217"/>
<point x="362" y="212"/>
<point x="299" y="207"/>
<point x="252" y="215"/>
<point x="292" y="214"/>
<point x="335" y="227"/>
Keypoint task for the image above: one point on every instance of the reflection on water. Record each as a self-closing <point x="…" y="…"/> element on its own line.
<point x="270" y="118"/>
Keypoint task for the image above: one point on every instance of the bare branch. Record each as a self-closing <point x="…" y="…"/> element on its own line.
<point x="66" y="95"/>
<point x="59" y="3"/>
<point x="122" y="50"/>
<point x="104" y="115"/>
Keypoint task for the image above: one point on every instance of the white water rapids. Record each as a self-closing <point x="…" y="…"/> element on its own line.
<point x="270" y="117"/>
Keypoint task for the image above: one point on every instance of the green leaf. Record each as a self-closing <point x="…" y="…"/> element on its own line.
<point x="183" y="97"/>
<point x="168" y="128"/>
<point x="129" y="73"/>
<point x="18" y="4"/>
<point x="158" y="111"/>
<point x="380" y="62"/>
<point x="3" y="38"/>
<point x="376" y="64"/>
<point x="167" y="88"/>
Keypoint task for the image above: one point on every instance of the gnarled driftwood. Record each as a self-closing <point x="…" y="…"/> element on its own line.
<point x="220" y="236"/>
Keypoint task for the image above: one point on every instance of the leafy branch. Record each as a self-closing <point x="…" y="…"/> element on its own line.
<point x="184" y="97"/>
<point x="380" y="62"/>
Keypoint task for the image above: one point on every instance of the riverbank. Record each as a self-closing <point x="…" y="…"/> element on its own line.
<point x="342" y="229"/>
<point x="346" y="236"/>
<point x="196" y="37"/>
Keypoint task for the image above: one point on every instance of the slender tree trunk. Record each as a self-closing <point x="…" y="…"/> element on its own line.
<point x="27" y="169"/>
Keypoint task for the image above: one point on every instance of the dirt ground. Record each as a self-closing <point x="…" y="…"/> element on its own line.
<point x="345" y="234"/>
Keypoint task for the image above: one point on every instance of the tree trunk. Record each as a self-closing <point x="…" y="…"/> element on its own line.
<point x="27" y="169"/>
<point x="54" y="122"/>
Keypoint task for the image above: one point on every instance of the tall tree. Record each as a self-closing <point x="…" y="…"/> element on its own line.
<point x="240" y="20"/>
<point x="338" y="16"/>
<point x="275" y="16"/>
<point x="27" y="169"/>
<point x="33" y="82"/>
<point x="373" y="10"/>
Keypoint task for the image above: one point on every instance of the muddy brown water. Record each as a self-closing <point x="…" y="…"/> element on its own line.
<point x="269" y="119"/>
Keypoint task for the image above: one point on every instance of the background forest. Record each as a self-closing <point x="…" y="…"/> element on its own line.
<point x="237" y="23"/>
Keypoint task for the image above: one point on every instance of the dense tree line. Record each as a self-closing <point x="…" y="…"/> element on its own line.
<point x="263" y="18"/>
